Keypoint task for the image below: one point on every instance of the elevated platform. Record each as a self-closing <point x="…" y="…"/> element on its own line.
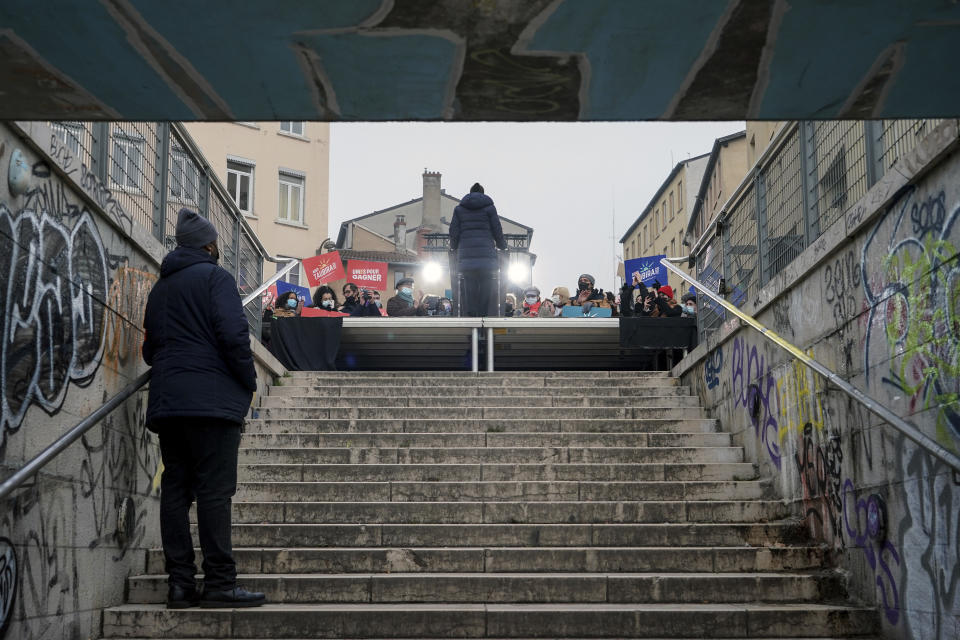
<point x="465" y="344"/>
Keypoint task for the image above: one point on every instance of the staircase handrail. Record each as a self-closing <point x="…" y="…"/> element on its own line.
<point x="895" y="421"/>
<point x="50" y="452"/>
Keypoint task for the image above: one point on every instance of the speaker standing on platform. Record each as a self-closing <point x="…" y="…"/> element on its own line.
<point x="476" y="234"/>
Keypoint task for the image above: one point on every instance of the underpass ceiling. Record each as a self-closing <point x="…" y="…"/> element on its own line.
<point x="511" y="60"/>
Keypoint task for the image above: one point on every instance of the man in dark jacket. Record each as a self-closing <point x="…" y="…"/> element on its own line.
<point x="476" y="234"/>
<point x="404" y="304"/>
<point x="358" y="305"/>
<point x="198" y="343"/>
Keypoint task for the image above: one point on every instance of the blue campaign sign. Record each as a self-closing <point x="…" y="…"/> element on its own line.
<point x="302" y="292"/>
<point x="648" y="269"/>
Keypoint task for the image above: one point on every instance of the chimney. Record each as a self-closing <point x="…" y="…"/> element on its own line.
<point x="431" y="201"/>
<point x="400" y="234"/>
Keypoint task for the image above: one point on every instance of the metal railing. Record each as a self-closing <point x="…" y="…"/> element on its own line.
<point x="36" y="463"/>
<point x="802" y="184"/>
<point x="877" y="408"/>
<point x="153" y="170"/>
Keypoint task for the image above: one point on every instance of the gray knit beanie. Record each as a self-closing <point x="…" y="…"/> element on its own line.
<point x="589" y="277"/>
<point x="193" y="230"/>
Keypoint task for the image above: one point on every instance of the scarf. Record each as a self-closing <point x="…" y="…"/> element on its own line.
<point x="408" y="298"/>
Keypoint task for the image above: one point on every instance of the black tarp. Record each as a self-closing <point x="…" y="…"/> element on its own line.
<point x="306" y="344"/>
<point x="658" y="333"/>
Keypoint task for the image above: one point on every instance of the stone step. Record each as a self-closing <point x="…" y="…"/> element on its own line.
<point x="487" y="439"/>
<point x="480" y="425"/>
<point x="302" y="397"/>
<point x="499" y="472"/>
<point x="491" y="620"/>
<point x="517" y="535"/>
<point x="455" y="560"/>
<point x="478" y="375"/>
<point x="448" y="379"/>
<point x="490" y="413"/>
<point x="666" y="387"/>
<point x="509" y="512"/>
<point x="477" y="455"/>
<point x="523" y="587"/>
<point x="496" y="491"/>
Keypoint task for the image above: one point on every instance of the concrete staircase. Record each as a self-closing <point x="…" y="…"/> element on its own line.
<point x="520" y="505"/>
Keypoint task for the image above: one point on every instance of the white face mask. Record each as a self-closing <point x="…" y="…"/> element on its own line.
<point x="555" y="298"/>
<point x="690" y="310"/>
<point x="531" y="300"/>
<point x="327" y="304"/>
<point x="407" y="291"/>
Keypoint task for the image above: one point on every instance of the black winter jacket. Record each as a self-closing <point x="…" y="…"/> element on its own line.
<point x="197" y="341"/>
<point x="357" y="308"/>
<point x="475" y="233"/>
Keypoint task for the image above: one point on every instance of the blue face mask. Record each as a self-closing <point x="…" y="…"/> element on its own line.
<point x="327" y="304"/>
<point x="407" y="291"/>
<point x="292" y="303"/>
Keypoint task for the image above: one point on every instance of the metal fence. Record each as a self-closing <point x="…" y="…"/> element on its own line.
<point x="154" y="169"/>
<point x="813" y="172"/>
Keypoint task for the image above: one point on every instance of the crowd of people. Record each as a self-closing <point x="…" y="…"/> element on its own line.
<point x="634" y="299"/>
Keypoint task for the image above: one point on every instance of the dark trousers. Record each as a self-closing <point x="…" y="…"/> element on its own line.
<point x="478" y="291"/>
<point x="199" y="461"/>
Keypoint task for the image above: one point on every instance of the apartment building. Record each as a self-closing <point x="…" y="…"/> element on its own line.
<point x="660" y="226"/>
<point x="278" y="175"/>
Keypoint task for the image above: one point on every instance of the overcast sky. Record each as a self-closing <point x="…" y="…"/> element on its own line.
<point x="579" y="185"/>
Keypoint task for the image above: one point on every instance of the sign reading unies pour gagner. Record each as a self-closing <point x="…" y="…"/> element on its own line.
<point x="367" y="275"/>
<point x="324" y="268"/>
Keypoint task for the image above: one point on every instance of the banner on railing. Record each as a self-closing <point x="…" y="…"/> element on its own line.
<point x="323" y="268"/>
<point x="311" y="312"/>
<point x="367" y="275"/>
<point x="302" y="292"/>
<point x="646" y="270"/>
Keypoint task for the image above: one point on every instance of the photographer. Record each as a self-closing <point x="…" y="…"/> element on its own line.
<point x="655" y="302"/>
<point x="357" y="303"/>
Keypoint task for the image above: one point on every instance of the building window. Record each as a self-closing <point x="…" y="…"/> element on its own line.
<point x="293" y="127"/>
<point x="70" y="134"/>
<point x="126" y="168"/>
<point x="663" y="214"/>
<point x="646" y="237"/>
<point x="291" y="199"/>
<point x="673" y="247"/>
<point x="293" y="276"/>
<point x="671" y="206"/>
<point x="184" y="177"/>
<point x="680" y="196"/>
<point x="240" y="185"/>
<point x="397" y="277"/>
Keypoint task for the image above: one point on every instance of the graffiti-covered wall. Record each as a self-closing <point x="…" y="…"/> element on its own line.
<point x="73" y="286"/>
<point x="878" y="301"/>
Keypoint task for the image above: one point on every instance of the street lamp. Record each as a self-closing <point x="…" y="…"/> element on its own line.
<point x="517" y="272"/>
<point x="432" y="272"/>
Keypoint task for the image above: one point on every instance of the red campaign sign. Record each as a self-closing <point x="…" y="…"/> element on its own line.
<point x="323" y="269"/>
<point x="268" y="296"/>
<point x="310" y="312"/>
<point x="368" y="275"/>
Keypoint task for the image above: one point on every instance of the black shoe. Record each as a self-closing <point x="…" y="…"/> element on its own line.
<point x="182" y="597"/>
<point x="231" y="598"/>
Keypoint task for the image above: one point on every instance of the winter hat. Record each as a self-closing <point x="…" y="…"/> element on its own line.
<point x="689" y="296"/>
<point x="404" y="281"/>
<point x="531" y="291"/>
<point x="476" y="188"/>
<point x="193" y="230"/>
<point x="667" y="289"/>
<point x="589" y="277"/>
<point x="563" y="292"/>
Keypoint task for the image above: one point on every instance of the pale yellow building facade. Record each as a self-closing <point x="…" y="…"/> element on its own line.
<point x="278" y="174"/>
<point x="660" y="226"/>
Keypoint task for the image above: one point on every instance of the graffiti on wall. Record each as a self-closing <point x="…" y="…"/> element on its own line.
<point x="127" y="299"/>
<point x="53" y="280"/>
<point x="8" y="583"/>
<point x="911" y="280"/>
<point x="712" y="367"/>
<point x="755" y="389"/>
<point x="820" y="467"/>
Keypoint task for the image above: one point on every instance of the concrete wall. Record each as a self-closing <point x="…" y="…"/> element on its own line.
<point x="875" y="298"/>
<point x="75" y="272"/>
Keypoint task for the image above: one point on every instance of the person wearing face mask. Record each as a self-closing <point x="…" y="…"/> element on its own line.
<point x="444" y="307"/>
<point x="586" y="294"/>
<point x="357" y="303"/>
<point x="690" y="305"/>
<point x="325" y="298"/>
<point x="531" y="302"/>
<point x="404" y="304"/>
<point x="510" y="306"/>
<point x="560" y="298"/>
<point x="197" y="341"/>
<point x="287" y="305"/>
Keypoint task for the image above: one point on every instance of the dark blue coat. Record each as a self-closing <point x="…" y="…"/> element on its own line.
<point x="197" y="341"/>
<point x="475" y="233"/>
